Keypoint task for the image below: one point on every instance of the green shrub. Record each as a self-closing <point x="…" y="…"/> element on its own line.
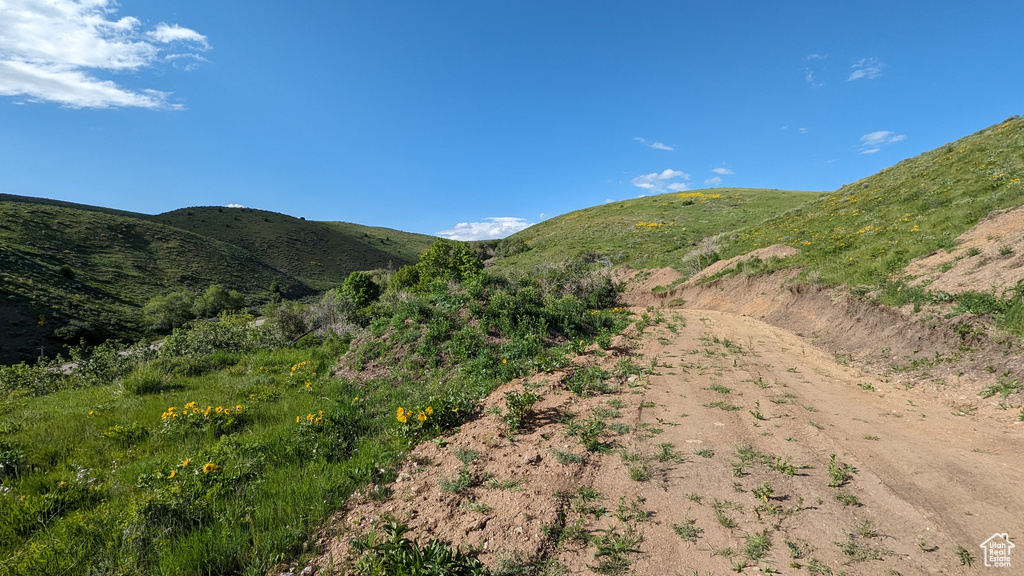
<point x="406" y="277"/>
<point x="215" y="300"/>
<point x="170" y="311"/>
<point x="384" y="551"/>
<point x="449" y="260"/>
<point x="360" y="288"/>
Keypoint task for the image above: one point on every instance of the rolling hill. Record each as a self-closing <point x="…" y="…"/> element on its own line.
<point x="870" y="230"/>
<point x="73" y="272"/>
<point x="647" y="232"/>
<point x="321" y="254"/>
<point x="70" y="271"/>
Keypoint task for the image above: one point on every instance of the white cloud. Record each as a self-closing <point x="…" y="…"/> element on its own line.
<point x="234" y="206"/>
<point x="866" y="68"/>
<point x="804" y="130"/>
<point x="490" y="229"/>
<point x="722" y="171"/>
<point x="874" y="141"/>
<point x="810" y="69"/>
<point x="713" y="181"/>
<point x="658" y="182"/>
<point x="52" y="50"/>
<point x="168" y="33"/>
<point x="655" y="145"/>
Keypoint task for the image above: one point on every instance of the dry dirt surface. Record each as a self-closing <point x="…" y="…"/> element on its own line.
<point x="988" y="258"/>
<point x="723" y="444"/>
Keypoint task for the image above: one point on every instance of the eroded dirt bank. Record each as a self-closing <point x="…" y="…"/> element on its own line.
<point x="947" y="356"/>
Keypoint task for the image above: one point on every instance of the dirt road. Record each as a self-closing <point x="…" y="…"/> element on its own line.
<point x="924" y="480"/>
<point x="718" y="457"/>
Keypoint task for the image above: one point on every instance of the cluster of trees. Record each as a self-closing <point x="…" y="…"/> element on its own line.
<point x="177" y="308"/>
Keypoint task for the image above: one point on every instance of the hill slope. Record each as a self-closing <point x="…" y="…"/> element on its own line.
<point x="68" y="272"/>
<point x="870" y="230"/>
<point x="652" y="231"/>
<point x="320" y="253"/>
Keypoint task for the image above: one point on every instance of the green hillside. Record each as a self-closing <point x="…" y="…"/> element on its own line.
<point x="320" y="253"/>
<point x="68" y="272"/>
<point x="647" y="232"/>
<point x="868" y="231"/>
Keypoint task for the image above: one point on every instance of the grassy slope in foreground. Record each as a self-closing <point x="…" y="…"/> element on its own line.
<point x="321" y="253"/>
<point x="116" y="263"/>
<point x="652" y="231"/>
<point x="869" y="230"/>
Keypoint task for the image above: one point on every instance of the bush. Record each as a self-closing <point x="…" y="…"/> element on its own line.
<point x="231" y="333"/>
<point x="360" y="288"/>
<point x="449" y="260"/>
<point x="67" y="272"/>
<point x="170" y="311"/>
<point x="406" y="277"/>
<point x="215" y="300"/>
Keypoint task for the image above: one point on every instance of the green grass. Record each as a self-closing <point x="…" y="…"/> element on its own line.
<point x="866" y="232"/>
<point x="225" y="456"/>
<point x="647" y="232"/>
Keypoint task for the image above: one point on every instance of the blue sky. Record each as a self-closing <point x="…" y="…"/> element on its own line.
<point x="476" y="118"/>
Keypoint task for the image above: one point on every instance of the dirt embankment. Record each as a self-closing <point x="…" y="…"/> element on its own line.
<point x="909" y="348"/>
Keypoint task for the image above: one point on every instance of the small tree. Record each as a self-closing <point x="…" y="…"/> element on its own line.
<point x="449" y="260"/>
<point x="170" y="311"/>
<point x="360" y="288"/>
<point x="217" y="299"/>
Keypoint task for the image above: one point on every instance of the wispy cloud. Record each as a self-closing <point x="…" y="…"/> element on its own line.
<point x="866" y="68"/>
<point x="722" y="171"/>
<point x="51" y="51"/>
<point x="713" y="181"/>
<point x="873" y="142"/>
<point x="234" y="206"/>
<point x="664" y="181"/>
<point x="811" y="67"/>
<point x="489" y="229"/>
<point x="654" y="145"/>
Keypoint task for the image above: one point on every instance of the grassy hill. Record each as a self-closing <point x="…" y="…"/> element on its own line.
<point x="869" y="230"/>
<point x="70" y="271"/>
<point x="320" y="253"/>
<point x="648" y="232"/>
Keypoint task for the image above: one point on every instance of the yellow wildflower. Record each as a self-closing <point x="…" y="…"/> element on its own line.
<point x="298" y="419"/>
<point x="173" y="473"/>
<point x="422" y="417"/>
<point x="429" y="411"/>
<point x="186" y="462"/>
<point x="238" y="408"/>
<point x="209" y="467"/>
